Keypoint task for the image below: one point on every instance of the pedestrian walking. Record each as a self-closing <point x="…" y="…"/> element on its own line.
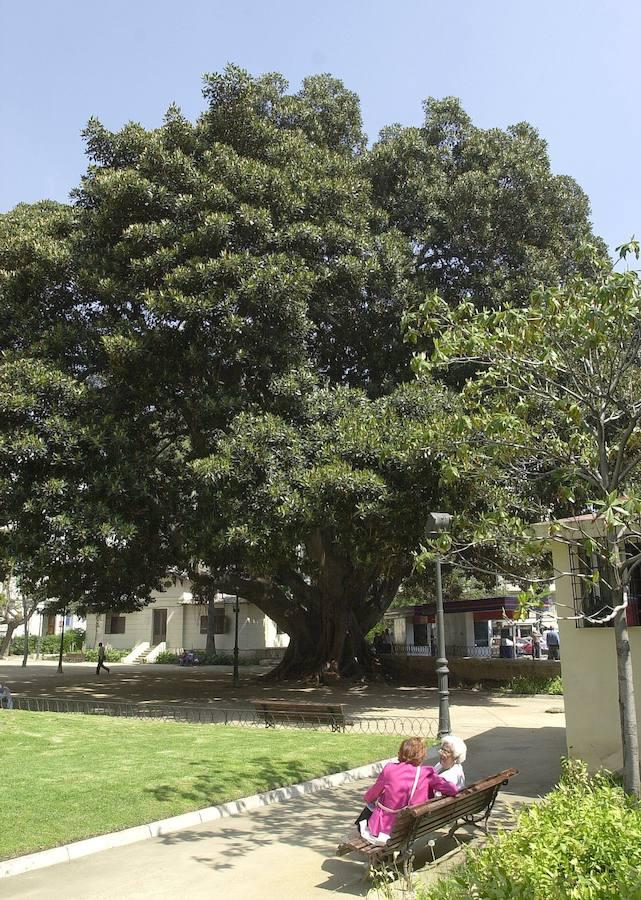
<point x="102" y="653"/>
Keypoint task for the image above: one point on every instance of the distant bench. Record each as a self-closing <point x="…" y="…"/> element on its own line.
<point x="472" y="806"/>
<point x="273" y="712"/>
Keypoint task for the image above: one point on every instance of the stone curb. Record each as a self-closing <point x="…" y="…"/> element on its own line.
<point x="69" y="852"/>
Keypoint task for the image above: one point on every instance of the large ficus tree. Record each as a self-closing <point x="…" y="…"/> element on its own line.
<point x="226" y="296"/>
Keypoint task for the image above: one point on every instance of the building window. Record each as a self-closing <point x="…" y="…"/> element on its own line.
<point x="420" y="635"/>
<point x="114" y="624"/>
<point x="220" y="622"/>
<point x="590" y="598"/>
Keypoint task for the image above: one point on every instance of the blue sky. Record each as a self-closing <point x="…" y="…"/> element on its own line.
<point x="565" y="66"/>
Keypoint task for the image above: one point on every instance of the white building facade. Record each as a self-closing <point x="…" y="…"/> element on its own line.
<point x="174" y="621"/>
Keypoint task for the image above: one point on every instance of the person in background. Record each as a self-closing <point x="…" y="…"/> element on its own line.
<point x="536" y="643"/>
<point x="553" y="643"/>
<point x="6" y="700"/>
<point x="102" y="653"/>
<point x="452" y="755"/>
<point x="386" y="642"/>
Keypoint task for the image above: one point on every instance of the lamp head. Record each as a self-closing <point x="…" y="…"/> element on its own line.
<point x="438" y="521"/>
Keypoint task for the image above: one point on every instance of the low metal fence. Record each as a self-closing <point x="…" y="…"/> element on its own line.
<point x="474" y="651"/>
<point x="412" y="650"/>
<point x="406" y="726"/>
<point x="450" y="650"/>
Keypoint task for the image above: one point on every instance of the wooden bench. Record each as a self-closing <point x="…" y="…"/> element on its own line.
<point x="272" y="712"/>
<point x="472" y="806"/>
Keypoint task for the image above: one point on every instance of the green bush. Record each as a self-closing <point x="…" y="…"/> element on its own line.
<point x="166" y="657"/>
<point x="73" y="640"/>
<point x="530" y="684"/>
<point x="111" y="655"/>
<point x="582" y="841"/>
<point x="204" y="659"/>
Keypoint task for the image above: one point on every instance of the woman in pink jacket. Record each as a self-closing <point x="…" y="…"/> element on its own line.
<point x="400" y="784"/>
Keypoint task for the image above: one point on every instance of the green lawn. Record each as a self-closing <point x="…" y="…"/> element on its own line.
<point x="67" y="777"/>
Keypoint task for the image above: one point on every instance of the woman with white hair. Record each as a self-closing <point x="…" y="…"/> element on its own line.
<point x="451" y="756"/>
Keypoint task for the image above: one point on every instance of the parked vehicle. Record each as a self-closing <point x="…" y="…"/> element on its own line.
<point x="524" y="646"/>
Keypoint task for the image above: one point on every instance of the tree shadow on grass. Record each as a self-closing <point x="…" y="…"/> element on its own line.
<point x="212" y="789"/>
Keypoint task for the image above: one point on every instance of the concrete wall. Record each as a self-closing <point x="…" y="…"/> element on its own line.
<point x="588" y="655"/>
<point x="468" y="670"/>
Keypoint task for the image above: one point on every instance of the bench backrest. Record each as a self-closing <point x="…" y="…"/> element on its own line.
<point x="284" y="706"/>
<point x="428" y="817"/>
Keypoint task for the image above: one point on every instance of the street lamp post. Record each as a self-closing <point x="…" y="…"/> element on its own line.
<point x="438" y="522"/>
<point x="236" y="611"/>
<point x="62" y="642"/>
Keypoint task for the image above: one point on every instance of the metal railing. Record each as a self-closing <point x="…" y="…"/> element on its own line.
<point x="451" y="650"/>
<point x="462" y="650"/>
<point x="214" y="715"/>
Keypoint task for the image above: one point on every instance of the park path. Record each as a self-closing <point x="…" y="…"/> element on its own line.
<point x="287" y="848"/>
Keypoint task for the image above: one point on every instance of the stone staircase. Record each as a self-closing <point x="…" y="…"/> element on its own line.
<point x="138" y="651"/>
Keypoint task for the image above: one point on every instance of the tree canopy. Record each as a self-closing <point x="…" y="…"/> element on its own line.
<point x="204" y="355"/>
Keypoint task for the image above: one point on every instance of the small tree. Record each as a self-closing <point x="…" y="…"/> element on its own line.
<point x="553" y="410"/>
<point x="15" y="609"/>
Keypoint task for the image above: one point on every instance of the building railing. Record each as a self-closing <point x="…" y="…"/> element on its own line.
<point x="451" y="650"/>
<point x="467" y="650"/>
<point x="212" y="715"/>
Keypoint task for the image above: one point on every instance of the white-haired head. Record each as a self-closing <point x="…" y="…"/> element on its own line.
<point x="457" y="746"/>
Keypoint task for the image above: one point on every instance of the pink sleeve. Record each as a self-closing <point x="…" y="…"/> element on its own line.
<point x="442" y="786"/>
<point x="376" y="789"/>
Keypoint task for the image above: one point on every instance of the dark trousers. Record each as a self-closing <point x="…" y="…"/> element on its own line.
<point x="553" y="652"/>
<point x="364" y="816"/>
<point x="101" y="665"/>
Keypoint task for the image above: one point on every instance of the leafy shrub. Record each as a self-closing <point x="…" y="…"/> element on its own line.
<point x="166" y="657"/>
<point x="582" y="841"/>
<point x="530" y="684"/>
<point x="204" y="659"/>
<point x="111" y="655"/>
<point x="73" y="640"/>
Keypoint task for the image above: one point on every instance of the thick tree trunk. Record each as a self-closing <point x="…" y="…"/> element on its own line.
<point x="333" y="640"/>
<point x="6" y="640"/>
<point x="210" y="646"/>
<point x="25" y="652"/>
<point x="326" y="618"/>
<point x="627" y="709"/>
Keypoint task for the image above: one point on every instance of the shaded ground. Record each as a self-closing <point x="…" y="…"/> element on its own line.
<point x="163" y="685"/>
